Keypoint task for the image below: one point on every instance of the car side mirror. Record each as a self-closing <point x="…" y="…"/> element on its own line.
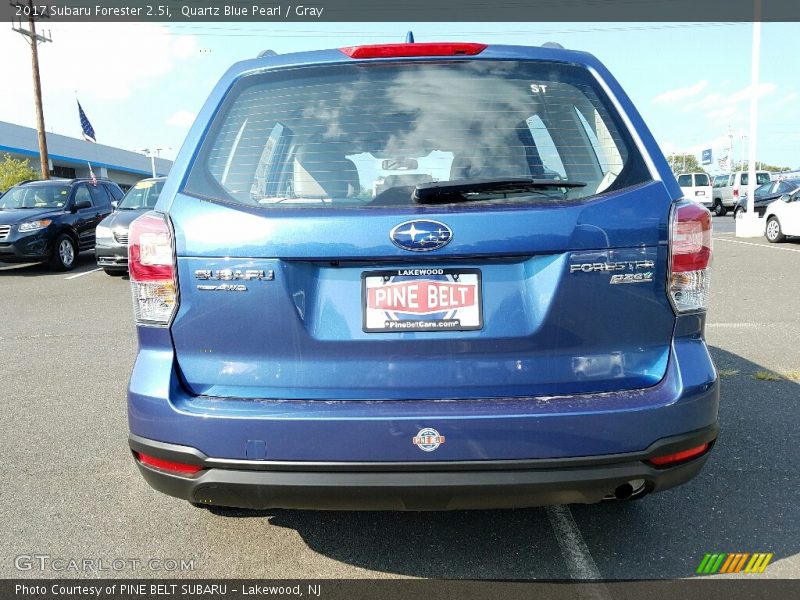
<point x="786" y="197"/>
<point x="114" y="204"/>
<point x="81" y="204"/>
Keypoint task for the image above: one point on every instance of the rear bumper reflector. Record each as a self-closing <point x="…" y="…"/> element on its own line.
<point x="167" y="465"/>
<point x="668" y="460"/>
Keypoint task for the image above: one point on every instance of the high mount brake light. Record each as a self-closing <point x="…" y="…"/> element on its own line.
<point x="408" y="50"/>
<point x="690" y="257"/>
<point x="152" y="269"/>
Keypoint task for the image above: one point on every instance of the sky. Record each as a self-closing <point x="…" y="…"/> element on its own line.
<point x="142" y="84"/>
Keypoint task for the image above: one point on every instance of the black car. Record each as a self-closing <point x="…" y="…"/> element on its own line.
<point x="53" y="220"/>
<point x="111" y="249"/>
<point x="765" y="194"/>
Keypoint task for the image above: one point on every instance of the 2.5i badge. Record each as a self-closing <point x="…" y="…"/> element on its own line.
<point x="632" y="278"/>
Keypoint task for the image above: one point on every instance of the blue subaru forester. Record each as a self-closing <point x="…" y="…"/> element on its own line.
<point x="420" y="276"/>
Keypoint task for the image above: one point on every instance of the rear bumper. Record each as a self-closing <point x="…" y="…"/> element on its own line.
<point x="497" y="452"/>
<point x="480" y="429"/>
<point x="416" y="486"/>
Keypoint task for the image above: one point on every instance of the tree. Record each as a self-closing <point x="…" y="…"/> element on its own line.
<point x="685" y="163"/>
<point x="12" y="171"/>
<point x="760" y="166"/>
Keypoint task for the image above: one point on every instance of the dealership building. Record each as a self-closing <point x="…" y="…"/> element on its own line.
<point x="70" y="157"/>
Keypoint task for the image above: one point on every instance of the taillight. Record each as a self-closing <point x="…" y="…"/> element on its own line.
<point x="735" y="193"/>
<point x="690" y="257"/>
<point x="167" y="465"/>
<point x="424" y="49"/>
<point x="152" y="268"/>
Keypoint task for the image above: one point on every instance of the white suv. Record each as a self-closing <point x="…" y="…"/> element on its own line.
<point x="728" y="188"/>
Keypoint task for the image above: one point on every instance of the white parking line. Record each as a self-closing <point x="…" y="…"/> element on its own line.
<point x="84" y="273"/>
<point x="575" y="552"/>
<point x="770" y="246"/>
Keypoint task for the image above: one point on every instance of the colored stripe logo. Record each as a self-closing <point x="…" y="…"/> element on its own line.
<point x="734" y="562"/>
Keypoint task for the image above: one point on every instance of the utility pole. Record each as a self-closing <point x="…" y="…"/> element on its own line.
<point x="34" y="39"/>
<point x="751" y="225"/>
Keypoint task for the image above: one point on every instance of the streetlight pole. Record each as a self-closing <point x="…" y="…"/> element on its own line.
<point x="152" y="154"/>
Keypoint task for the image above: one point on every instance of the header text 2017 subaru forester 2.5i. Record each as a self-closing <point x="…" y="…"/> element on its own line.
<point x="420" y="276"/>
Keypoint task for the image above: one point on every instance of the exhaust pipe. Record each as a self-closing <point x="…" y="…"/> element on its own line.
<point x="623" y="492"/>
<point x="626" y="490"/>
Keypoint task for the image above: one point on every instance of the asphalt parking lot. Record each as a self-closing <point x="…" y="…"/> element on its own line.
<point x="71" y="489"/>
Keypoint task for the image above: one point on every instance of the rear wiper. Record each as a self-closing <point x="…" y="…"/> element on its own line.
<point x="445" y="192"/>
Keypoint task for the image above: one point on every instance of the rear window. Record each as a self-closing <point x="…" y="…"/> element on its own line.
<point x="685" y="181"/>
<point x="701" y="179"/>
<point x="365" y="135"/>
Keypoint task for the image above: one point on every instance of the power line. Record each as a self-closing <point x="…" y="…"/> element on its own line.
<point x="211" y="31"/>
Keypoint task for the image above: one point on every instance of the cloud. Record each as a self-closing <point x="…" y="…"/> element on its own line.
<point x="669" y="147"/>
<point x="721" y="114"/>
<point x="681" y="93"/>
<point x="790" y="98"/>
<point x="720" y="108"/>
<point x="181" y="118"/>
<point x="122" y="73"/>
<point x="184" y="46"/>
<point x="746" y="93"/>
<point x="717" y="144"/>
<point x="102" y="63"/>
<point x="716" y="102"/>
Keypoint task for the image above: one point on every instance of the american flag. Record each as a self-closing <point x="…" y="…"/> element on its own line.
<point x="91" y="174"/>
<point x="88" y="130"/>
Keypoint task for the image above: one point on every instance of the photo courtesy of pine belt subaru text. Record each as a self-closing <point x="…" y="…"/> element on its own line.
<point x="53" y="220"/>
<point x="423" y="276"/>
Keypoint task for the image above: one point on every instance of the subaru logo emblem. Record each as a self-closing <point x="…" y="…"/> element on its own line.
<point x="421" y="235"/>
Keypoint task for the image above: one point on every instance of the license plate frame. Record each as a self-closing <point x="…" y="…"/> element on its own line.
<point x="453" y="283"/>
